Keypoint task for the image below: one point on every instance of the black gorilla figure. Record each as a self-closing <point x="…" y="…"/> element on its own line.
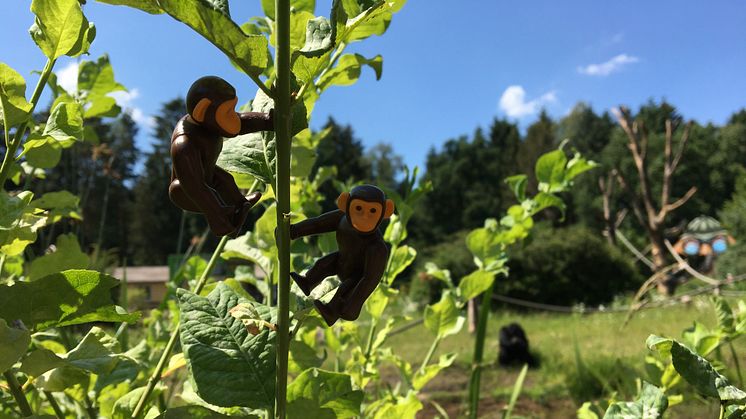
<point x="361" y="259"/>
<point x="514" y="346"/>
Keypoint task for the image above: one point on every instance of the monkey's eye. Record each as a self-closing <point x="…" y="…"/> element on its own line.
<point x="372" y="210"/>
<point x="359" y="208"/>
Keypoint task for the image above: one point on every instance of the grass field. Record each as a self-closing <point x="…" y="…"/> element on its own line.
<point x="611" y="358"/>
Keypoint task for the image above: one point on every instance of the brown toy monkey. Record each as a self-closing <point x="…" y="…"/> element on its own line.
<point x="197" y="184"/>
<point x="361" y="259"/>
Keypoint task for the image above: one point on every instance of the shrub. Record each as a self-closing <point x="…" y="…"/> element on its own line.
<point x="568" y="266"/>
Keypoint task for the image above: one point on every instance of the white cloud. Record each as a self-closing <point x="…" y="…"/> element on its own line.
<point x="608" y="67"/>
<point x="125" y="98"/>
<point x="513" y="102"/>
<point x="67" y="78"/>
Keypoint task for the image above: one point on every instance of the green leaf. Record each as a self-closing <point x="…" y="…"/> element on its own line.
<point x="550" y="167"/>
<point x="544" y="200"/>
<point x="42" y="152"/>
<point x="422" y="377"/>
<point x="59" y="204"/>
<point x="148" y="6"/>
<point x="13" y="344"/>
<point x="475" y="284"/>
<point x="67" y="256"/>
<point x="323" y="394"/>
<point x="125" y="406"/>
<point x="517" y="184"/>
<point x="95" y="353"/>
<point x="62" y="299"/>
<point x="319" y="37"/>
<point x="18" y="223"/>
<point x="63" y="378"/>
<point x="697" y="370"/>
<point x="404" y="408"/>
<point x="399" y="261"/>
<point x="377" y="302"/>
<point x="95" y="82"/>
<point x="59" y="28"/>
<point x="245" y="247"/>
<point x="229" y="366"/>
<point x="487" y="247"/>
<point x="444" y="317"/>
<point x="578" y="165"/>
<point x="249" y="52"/>
<point x="302" y="161"/>
<point x="253" y="154"/>
<point x="347" y="70"/>
<point x="650" y="404"/>
<point x="191" y="412"/>
<point x="14" y="109"/>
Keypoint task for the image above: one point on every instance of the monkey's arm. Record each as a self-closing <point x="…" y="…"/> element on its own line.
<point x="256" y="121"/>
<point x="324" y="223"/>
<point x="188" y="167"/>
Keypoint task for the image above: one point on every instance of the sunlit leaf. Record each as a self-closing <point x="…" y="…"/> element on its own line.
<point x="67" y="255"/>
<point x="13" y="344"/>
<point x="324" y="395"/>
<point x="14" y="108"/>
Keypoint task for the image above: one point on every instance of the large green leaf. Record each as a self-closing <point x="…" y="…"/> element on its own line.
<point x="229" y="366"/>
<point x="14" y="108"/>
<point x="399" y="261"/>
<point x="18" y="223"/>
<point x="423" y="376"/>
<point x="13" y="344"/>
<point x="95" y="82"/>
<point x="696" y="370"/>
<point x="191" y="412"/>
<point x="149" y="6"/>
<point x="650" y="404"/>
<point x="347" y="70"/>
<point x="61" y="299"/>
<point x="550" y="168"/>
<point x="249" y="52"/>
<point x="253" y="154"/>
<point x="66" y="256"/>
<point x="59" y="204"/>
<point x="475" y="283"/>
<point x="95" y="353"/>
<point x="444" y="317"/>
<point x="323" y="394"/>
<point x="403" y="408"/>
<point x="42" y="152"/>
<point x="319" y="37"/>
<point x="60" y="28"/>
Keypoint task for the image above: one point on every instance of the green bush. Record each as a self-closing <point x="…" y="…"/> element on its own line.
<point x="568" y="266"/>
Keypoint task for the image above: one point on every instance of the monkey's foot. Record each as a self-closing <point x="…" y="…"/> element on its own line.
<point x="239" y="217"/>
<point x="302" y="283"/>
<point x="326" y="312"/>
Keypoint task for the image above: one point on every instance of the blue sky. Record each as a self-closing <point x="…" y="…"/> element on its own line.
<point x="450" y="66"/>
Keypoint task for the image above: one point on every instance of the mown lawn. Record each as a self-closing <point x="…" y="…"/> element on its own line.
<point x="611" y="359"/>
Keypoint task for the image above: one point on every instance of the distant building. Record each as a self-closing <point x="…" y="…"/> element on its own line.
<point x="145" y="282"/>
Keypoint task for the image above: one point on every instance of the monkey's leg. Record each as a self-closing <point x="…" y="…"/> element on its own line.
<point x="229" y="192"/>
<point x="323" y="268"/>
<point x="350" y="297"/>
<point x="180" y="198"/>
<point x="220" y="223"/>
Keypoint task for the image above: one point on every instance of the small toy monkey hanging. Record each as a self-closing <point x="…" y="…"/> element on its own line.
<point x="362" y="256"/>
<point x="197" y="184"/>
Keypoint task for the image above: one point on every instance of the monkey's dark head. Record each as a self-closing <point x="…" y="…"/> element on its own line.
<point x="211" y="101"/>
<point x="366" y="206"/>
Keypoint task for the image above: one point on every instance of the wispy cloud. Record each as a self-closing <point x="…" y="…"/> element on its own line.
<point x="67" y="78"/>
<point x="513" y="102"/>
<point x="604" y="69"/>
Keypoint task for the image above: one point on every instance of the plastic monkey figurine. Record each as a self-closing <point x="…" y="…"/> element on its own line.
<point x="197" y="184"/>
<point x="361" y="259"/>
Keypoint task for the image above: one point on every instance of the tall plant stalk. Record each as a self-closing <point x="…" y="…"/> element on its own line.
<point x="17" y="392"/>
<point x="156" y="376"/>
<point x="476" y="364"/>
<point x="282" y="194"/>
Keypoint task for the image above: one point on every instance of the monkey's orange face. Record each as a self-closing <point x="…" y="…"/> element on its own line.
<point x="227" y="117"/>
<point x="365" y="215"/>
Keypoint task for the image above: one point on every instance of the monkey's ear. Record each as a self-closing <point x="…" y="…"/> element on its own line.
<point x="342" y="201"/>
<point x="389" y="209"/>
<point x="201" y="109"/>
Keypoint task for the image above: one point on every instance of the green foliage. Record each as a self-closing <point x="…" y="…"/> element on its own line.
<point x="229" y="365"/>
<point x="568" y="266"/>
<point x="323" y="394"/>
<point x="651" y="403"/>
<point x="60" y="28"/>
<point x="14" y="109"/>
<point x="67" y="255"/>
<point x="13" y="344"/>
<point x="61" y="299"/>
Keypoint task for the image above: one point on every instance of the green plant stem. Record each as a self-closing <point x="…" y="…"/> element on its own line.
<point x="53" y="402"/>
<point x="371" y="334"/>
<point x="156" y="376"/>
<point x="332" y="61"/>
<point x="738" y="365"/>
<point x="17" y="392"/>
<point x="10" y="153"/>
<point x="282" y="196"/>
<point x="430" y="354"/>
<point x="476" y="365"/>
